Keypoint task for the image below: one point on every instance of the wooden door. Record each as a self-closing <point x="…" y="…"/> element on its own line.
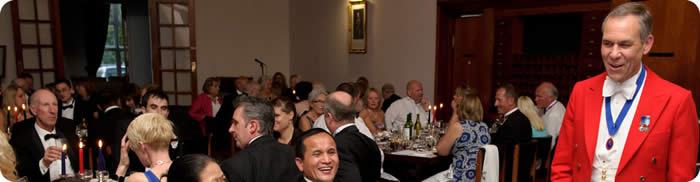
<point x="174" y="49"/>
<point x="471" y="63"/>
<point x="37" y="32"/>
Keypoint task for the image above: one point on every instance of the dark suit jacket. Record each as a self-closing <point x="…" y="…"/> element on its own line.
<point x="515" y="129"/>
<point x="80" y="110"/>
<point x="263" y="160"/>
<point x="29" y="150"/>
<point x="386" y="103"/>
<point x="359" y="156"/>
<point x="117" y="121"/>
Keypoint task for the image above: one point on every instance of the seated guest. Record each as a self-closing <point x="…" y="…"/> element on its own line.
<point x="302" y="91"/>
<point x="360" y="158"/>
<point x="528" y="109"/>
<point x="279" y="84"/>
<point x="112" y="124"/>
<point x="348" y="88"/>
<point x="37" y="142"/>
<point x="464" y="138"/>
<point x="70" y="108"/>
<point x="389" y="96"/>
<point x="7" y="160"/>
<point x="156" y="101"/>
<point x="251" y="127"/>
<point x="293" y="81"/>
<point x="13" y="96"/>
<point x="253" y="89"/>
<point x="553" y="110"/>
<point x="458" y="103"/>
<point x="266" y="88"/>
<point x="318" y="99"/>
<point x="414" y="103"/>
<point x="372" y="113"/>
<point x="285" y="133"/>
<point x="206" y="104"/>
<point x="195" y="168"/>
<point x="515" y="127"/>
<point x="317" y="156"/>
<point x="148" y="136"/>
<point x="130" y="98"/>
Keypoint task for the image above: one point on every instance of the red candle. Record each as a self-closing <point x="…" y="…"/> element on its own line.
<point x="16" y="114"/>
<point x="434" y="114"/>
<point x="80" y="158"/>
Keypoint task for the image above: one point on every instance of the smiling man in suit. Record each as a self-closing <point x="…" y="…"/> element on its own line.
<point x="627" y="124"/>
<point x="37" y="141"/>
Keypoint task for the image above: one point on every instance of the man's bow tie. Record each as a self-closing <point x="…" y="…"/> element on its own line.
<point x="67" y="107"/>
<point x="50" y="136"/>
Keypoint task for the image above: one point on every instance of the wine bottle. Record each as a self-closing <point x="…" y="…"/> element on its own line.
<point x="407" y="127"/>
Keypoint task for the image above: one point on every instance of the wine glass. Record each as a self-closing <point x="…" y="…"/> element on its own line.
<point x="82" y="130"/>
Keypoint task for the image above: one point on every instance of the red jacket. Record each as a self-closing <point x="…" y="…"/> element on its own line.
<point x="202" y="107"/>
<point x="667" y="152"/>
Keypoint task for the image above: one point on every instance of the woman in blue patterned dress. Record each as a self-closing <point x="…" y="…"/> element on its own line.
<point x="465" y="134"/>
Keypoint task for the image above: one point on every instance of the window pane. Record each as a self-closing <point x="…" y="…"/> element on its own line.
<point x="166" y="37"/>
<point x="182" y="59"/>
<point x="28" y="33"/>
<point x="168" y="80"/>
<point x="184" y="99"/>
<point x="47" y="58"/>
<point x="26" y="10"/>
<point x="166" y="59"/>
<point x="109" y="42"/>
<point x="184" y="81"/>
<point x="114" y="48"/>
<point x="43" y="9"/>
<point x="181" y="14"/>
<point x="31" y="58"/>
<point x="165" y="13"/>
<point x="45" y="34"/>
<point x="182" y="36"/>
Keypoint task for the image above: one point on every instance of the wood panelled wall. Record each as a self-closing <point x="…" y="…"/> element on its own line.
<point x="673" y="56"/>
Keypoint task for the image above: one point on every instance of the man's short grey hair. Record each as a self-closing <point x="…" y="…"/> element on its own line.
<point x="255" y="108"/>
<point x="551" y="90"/>
<point x="636" y="9"/>
<point x="388" y="87"/>
<point x="340" y="111"/>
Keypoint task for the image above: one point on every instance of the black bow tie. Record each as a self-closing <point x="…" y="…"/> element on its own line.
<point x="49" y="136"/>
<point x="67" y="107"/>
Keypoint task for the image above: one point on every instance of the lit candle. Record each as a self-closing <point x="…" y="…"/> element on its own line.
<point x="435" y="114"/>
<point x="80" y="158"/>
<point x="63" y="160"/>
<point x="99" y="155"/>
<point x="16" y="114"/>
<point x="24" y="111"/>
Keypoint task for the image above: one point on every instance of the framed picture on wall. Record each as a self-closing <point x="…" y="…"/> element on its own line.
<point x="358" y="27"/>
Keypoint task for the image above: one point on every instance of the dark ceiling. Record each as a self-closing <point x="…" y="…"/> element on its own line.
<point x="458" y="7"/>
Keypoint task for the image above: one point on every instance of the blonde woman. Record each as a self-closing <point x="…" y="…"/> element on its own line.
<point x="373" y="114"/>
<point x="527" y="107"/>
<point x="148" y="136"/>
<point x="13" y="96"/>
<point x="7" y="160"/>
<point x="458" y="103"/>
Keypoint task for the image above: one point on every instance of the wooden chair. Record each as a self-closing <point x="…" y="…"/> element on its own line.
<point x="522" y="161"/>
<point x="479" y="164"/>
<point x="544" y="154"/>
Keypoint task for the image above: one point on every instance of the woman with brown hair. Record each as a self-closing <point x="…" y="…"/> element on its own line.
<point x="284" y="121"/>
<point x="208" y="103"/>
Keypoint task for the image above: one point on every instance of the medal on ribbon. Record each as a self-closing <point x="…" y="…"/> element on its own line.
<point x="614" y="125"/>
<point x="644" y="123"/>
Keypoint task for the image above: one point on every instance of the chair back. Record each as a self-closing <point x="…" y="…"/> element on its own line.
<point x="479" y="164"/>
<point x="544" y="153"/>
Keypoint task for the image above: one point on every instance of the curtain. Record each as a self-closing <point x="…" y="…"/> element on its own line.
<point x="96" y="20"/>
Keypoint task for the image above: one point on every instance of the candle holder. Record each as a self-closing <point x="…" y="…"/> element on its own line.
<point x="86" y="175"/>
<point x="102" y="175"/>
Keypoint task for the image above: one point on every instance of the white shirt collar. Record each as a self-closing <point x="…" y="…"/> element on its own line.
<point x="251" y="141"/>
<point x="72" y="101"/>
<point x="307" y="179"/>
<point x="42" y="132"/>
<point x="626" y="88"/>
<point x="342" y="127"/>
<point x="510" y="112"/>
<point x="110" y="108"/>
<point x="238" y="92"/>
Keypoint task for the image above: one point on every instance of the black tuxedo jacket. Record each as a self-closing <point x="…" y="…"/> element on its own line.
<point x="29" y="150"/>
<point x="389" y="101"/>
<point x="359" y="156"/>
<point x="117" y="120"/>
<point x="515" y="129"/>
<point x="263" y="160"/>
<point x="80" y="110"/>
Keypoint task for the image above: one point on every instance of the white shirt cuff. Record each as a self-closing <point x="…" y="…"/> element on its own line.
<point x="43" y="169"/>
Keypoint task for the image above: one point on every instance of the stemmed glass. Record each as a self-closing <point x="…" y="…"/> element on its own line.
<point x="82" y="130"/>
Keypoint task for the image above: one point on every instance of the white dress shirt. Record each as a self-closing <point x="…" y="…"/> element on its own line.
<point x="359" y="123"/>
<point x="215" y="105"/>
<point x="396" y="113"/>
<point x="553" y="119"/>
<point x="68" y="112"/>
<point x="610" y="159"/>
<point x="55" y="166"/>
